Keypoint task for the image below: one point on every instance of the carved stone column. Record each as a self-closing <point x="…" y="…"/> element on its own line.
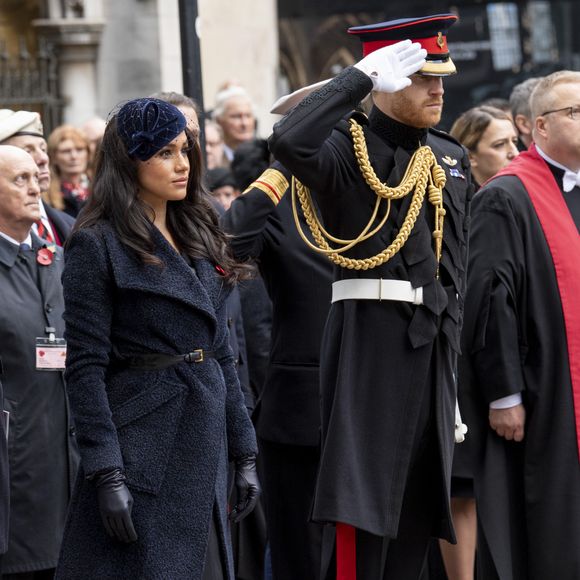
<point x="74" y="27"/>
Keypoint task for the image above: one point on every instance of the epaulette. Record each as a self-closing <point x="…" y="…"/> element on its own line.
<point x="445" y="135"/>
<point x="360" y="117"/>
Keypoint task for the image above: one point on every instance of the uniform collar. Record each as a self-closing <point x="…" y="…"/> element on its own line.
<point x="395" y="132"/>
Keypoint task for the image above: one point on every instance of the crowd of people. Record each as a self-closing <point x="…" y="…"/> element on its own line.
<point x="257" y="362"/>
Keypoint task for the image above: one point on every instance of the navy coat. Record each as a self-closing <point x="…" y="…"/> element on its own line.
<point x="171" y="430"/>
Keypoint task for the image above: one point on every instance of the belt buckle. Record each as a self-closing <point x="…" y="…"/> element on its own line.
<point x="195" y="356"/>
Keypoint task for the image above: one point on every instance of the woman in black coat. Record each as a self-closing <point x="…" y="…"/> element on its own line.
<point x="151" y="378"/>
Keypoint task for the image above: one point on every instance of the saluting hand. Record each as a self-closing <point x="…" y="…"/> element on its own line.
<point x="390" y="66"/>
<point x="509" y="423"/>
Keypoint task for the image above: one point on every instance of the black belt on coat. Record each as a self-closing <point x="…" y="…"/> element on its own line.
<point x="157" y="361"/>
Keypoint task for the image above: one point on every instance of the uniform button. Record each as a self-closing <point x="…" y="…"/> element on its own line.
<point x="48" y="308"/>
<point x="72" y="431"/>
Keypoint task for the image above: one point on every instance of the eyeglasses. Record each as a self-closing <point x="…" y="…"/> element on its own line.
<point x="573" y="112"/>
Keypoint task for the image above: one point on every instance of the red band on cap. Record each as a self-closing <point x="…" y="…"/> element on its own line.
<point x="433" y="44"/>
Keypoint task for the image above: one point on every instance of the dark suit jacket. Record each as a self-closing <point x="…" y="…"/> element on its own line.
<point x="171" y="430"/>
<point x="61" y="222"/>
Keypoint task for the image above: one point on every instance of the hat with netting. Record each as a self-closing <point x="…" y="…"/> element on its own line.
<point x="146" y="125"/>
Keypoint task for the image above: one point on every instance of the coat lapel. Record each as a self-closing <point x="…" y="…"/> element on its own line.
<point x="49" y="282"/>
<point x="176" y="279"/>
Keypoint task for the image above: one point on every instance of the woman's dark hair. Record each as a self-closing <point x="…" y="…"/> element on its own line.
<point x="192" y="222"/>
<point x="469" y="127"/>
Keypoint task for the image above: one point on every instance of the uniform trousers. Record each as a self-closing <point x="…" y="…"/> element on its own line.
<point x="288" y="476"/>
<point x="403" y="557"/>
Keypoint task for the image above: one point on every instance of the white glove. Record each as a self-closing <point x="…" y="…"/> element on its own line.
<point x="389" y="67"/>
<point x="460" y="426"/>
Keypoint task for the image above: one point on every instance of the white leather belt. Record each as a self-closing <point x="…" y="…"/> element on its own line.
<point x="372" y="289"/>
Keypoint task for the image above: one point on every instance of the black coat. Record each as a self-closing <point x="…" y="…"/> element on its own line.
<point x="61" y="222"/>
<point x="41" y="447"/>
<point x="379" y="359"/>
<point x="171" y="430"/>
<point x="298" y="282"/>
<point x="528" y="493"/>
<point x="4" y="478"/>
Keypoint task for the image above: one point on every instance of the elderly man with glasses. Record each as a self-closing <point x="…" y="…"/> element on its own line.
<point x="522" y="347"/>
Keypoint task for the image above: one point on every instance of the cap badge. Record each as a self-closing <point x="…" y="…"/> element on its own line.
<point x="449" y="161"/>
<point x="440" y="41"/>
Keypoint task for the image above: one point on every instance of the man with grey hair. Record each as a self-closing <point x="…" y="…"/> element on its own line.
<point x="23" y="129"/>
<point x="41" y="446"/>
<point x="234" y="113"/>
<point x="522" y="347"/>
<point x="520" y="108"/>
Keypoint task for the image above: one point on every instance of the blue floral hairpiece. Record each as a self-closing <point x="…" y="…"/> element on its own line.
<point x="146" y="125"/>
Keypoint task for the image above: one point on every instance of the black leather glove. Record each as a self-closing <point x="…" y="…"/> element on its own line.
<point x="115" y="504"/>
<point x="247" y="487"/>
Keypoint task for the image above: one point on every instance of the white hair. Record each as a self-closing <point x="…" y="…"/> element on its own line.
<point x="222" y="98"/>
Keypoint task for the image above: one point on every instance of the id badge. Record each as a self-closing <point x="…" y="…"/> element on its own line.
<point x="50" y="354"/>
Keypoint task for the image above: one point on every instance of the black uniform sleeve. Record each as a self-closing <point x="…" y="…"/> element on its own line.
<point x="495" y="279"/>
<point x="248" y="215"/>
<point x="301" y="139"/>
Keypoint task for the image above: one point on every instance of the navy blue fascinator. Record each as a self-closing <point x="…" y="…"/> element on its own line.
<point x="146" y="125"/>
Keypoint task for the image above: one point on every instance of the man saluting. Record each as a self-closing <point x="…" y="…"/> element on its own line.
<point x="393" y="194"/>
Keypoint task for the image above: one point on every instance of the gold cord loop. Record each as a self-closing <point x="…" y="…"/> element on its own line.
<point x="423" y="174"/>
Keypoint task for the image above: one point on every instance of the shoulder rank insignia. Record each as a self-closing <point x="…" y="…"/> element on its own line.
<point x="456" y="173"/>
<point x="449" y="161"/>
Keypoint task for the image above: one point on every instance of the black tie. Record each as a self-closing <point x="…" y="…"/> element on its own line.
<point x="26" y="257"/>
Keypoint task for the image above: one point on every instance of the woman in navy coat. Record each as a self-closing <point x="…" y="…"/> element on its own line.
<point x="151" y="378"/>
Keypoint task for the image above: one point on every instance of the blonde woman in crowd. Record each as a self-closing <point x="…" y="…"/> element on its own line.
<point x="69" y="152"/>
<point x="490" y="137"/>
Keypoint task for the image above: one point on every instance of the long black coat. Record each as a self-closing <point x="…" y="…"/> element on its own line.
<point x="171" y="430"/>
<point x="528" y="493"/>
<point x="4" y="479"/>
<point x="379" y="359"/>
<point x="41" y="448"/>
<point x="298" y="282"/>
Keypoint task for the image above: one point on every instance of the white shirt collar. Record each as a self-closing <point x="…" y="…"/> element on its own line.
<point x="551" y="161"/>
<point x="28" y="239"/>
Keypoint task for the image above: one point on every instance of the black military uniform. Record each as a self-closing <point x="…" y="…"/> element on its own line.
<point x="387" y="367"/>
<point x="288" y="417"/>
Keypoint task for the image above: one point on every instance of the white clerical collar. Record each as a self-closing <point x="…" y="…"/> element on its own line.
<point x="551" y="161"/>
<point x="28" y="239"/>
<point x="570" y="179"/>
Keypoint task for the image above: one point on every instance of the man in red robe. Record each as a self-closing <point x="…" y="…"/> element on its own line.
<point x="522" y="348"/>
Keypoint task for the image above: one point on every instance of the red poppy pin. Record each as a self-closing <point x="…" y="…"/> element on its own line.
<point x="220" y="270"/>
<point x="44" y="256"/>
